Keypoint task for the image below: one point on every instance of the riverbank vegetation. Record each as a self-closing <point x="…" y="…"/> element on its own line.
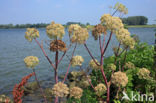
<point x="128" y="72"/>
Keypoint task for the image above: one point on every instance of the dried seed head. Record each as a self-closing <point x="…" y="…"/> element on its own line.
<point x="57" y="45"/>
<point x="98" y="30"/>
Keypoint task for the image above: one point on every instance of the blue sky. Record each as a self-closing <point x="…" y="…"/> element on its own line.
<point x="62" y="11"/>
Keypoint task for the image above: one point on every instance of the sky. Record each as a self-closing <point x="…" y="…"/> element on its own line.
<point x="63" y="11"/>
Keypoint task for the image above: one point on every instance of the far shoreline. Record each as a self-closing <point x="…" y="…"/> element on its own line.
<point x="141" y="26"/>
<point x="90" y="26"/>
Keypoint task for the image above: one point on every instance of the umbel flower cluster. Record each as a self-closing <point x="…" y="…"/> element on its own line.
<point x="121" y="8"/>
<point x="77" y="61"/>
<point x="143" y="73"/>
<point x="129" y="65"/>
<point x="76" y="92"/>
<point x="31" y="34"/>
<point x="93" y="65"/>
<point x="124" y="38"/>
<point x="100" y="89"/>
<point x="111" y="67"/>
<point x="98" y="30"/>
<point x="115" y="25"/>
<point x="31" y="61"/>
<point x="78" y="34"/>
<point x="111" y="23"/>
<point x="55" y="31"/>
<point x="57" y="45"/>
<point x="119" y="79"/>
<point x="60" y="90"/>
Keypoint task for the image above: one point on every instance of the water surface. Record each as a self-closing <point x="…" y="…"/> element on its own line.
<point x="14" y="48"/>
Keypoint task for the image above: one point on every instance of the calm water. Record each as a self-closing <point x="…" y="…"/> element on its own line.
<point x="14" y="48"/>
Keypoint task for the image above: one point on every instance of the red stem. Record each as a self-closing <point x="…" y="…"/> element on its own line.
<point x="56" y="65"/>
<point x="69" y="63"/>
<point x="45" y="53"/>
<point x="41" y="90"/>
<point x="100" y="44"/>
<point x="103" y="43"/>
<point x="105" y="79"/>
<point x="91" y="54"/>
<point x="66" y="73"/>
<point x="107" y="43"/>
<point x="102" y="71"/>
<point x="64" y="54"/>
<point x="90" y="83"/>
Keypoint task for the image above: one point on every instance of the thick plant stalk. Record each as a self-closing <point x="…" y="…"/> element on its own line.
<point x="41" y="90"/>
<point x="101" y="63"/>
<point x="105" y="79"/>
<point x="56" y="66"/>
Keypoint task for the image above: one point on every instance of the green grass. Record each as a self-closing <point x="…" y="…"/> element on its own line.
<point x="133" y="26"/>
<point x="141" y="26"/>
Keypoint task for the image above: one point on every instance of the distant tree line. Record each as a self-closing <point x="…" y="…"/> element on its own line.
<point x="132" y="20"/>
<point x="82" y="25"/>
<point x="135" y="20"/>
<point x="38" y="25"/>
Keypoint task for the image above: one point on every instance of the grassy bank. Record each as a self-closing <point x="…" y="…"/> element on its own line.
<point x="141" y="26"/>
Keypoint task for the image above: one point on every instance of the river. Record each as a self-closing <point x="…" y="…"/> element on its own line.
<point x="14" y="48"/>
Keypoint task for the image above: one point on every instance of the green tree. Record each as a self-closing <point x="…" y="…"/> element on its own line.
<point x="135" y="20"/>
